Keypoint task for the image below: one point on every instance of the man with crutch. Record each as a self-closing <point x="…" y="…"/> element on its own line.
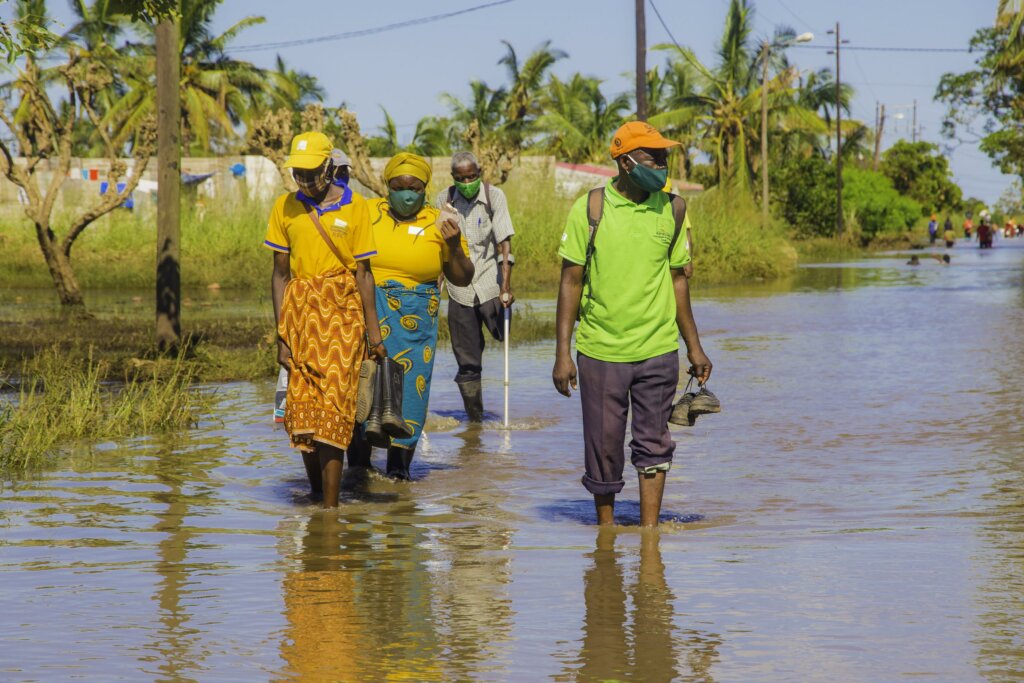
<point x="483" y="217"/>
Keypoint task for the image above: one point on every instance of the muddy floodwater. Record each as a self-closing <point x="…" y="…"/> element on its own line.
<point x="855" y="513"/>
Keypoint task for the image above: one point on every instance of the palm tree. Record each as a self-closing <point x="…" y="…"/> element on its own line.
<point x="486" y="106"/>
<point x="725" y="103"/>
<point x="578" y="119"/>
<point x="526" y="81"/>
<point x="217" y="92"/>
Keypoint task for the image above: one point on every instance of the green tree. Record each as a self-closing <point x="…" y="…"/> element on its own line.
<point x="526" y="80"/>
<point x="578" y="119"/>
<point x="986" y="104"/>
<point x="919" y="171"/>
<point x="804" y="195"/>
<point x="725" y="106"/>
<point x="218" y="92"/>
<point x="876" y="205"/>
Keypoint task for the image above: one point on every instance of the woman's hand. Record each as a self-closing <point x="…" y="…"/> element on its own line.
<point x="284" y="355"/>
<point x="451" y="233"/>
<point x="376" y="349"/>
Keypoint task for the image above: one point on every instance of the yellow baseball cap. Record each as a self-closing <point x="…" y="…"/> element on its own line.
<point x="309" y="150"/>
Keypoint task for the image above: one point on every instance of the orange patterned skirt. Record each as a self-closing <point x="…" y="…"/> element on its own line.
<point x="322" y="323"/>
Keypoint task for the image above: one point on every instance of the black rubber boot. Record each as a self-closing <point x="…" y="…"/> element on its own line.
<point x="472" y="399"/>
<point x="391" y="404"/>
<point x="374" y="428"/>
<point x="399" y="460"/>
<point x="358" y="451"/>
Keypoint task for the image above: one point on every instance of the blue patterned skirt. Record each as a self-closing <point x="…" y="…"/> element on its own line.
<point x="408" y="325"/>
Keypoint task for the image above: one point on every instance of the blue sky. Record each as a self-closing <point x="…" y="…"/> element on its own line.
<point x="405" y="70"/>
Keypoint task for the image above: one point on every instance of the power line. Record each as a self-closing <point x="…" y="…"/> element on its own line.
<point x="798" y="18"/>
<point x="664" y="25"/>
<point x="874" y="48"/>
<point x="366" y="31"/>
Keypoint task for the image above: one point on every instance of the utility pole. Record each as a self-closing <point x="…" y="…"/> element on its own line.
<point x="168" y="203"/>
<point x="641" y="62"/>
<point x="878" y="137"/>
<point x="913" y="134"/>
<point x="764" y="135"/>
<point x="839" y="139"/>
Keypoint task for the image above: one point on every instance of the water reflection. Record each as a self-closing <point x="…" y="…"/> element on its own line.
<point x="629" y="629"/>
<point x="359" y="599"/>
<point x="475" y="612"/>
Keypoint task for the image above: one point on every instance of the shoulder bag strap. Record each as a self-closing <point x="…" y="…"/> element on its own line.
<point x="451" y="194"/>
<point x="311" y="212"/>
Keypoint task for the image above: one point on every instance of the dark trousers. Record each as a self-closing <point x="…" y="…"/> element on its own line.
<point x="607" y="390"/>
<point x="465" y="325"/>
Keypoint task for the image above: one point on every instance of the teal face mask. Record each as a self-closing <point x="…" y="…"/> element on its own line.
<point x="405" y="202"/>
<point x="648" y="179"/>
<point x="468" y="190"/>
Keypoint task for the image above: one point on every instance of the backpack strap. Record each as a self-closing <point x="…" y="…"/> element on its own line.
<point x="595" y="208"/>
<point x="487" y="201"/>
<point x="451" y="194"/>
<point x="679" y="214"/>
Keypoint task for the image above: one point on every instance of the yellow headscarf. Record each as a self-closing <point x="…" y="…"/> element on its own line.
<point x="407" y="163"/>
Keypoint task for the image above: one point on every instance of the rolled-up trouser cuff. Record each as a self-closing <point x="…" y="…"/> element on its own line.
<point x="599" y="488"/>
<point x="651" y="469"/>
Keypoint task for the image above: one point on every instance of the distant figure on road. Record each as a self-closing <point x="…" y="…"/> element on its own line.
<point x="985" y="233"/>
<point x="948" y="236"/>
<point x="933" y="230"/>
<point x="968" y="228"/>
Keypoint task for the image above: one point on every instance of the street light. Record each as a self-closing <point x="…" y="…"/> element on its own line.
<point x="766" y="48"/>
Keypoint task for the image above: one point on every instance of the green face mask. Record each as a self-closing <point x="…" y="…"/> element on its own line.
<point x="405" y="202"/>
<point x="468" y="190"/>
<point x="648" y="179"/>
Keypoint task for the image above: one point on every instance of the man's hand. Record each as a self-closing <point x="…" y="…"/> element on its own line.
<point x="450" y="232"/>
<point x="564" y="375"/>
<point x="507" y="298"/>
<point x="700" y="365"/>
<point x="284" y="355"/>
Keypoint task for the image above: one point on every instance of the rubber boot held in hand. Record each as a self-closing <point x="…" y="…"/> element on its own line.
<point x="391" y="403"/>
<point x="473" y="399"/>
<point x="374" y="428"/>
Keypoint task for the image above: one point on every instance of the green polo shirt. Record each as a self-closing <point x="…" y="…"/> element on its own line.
<point x="630" y="314"/>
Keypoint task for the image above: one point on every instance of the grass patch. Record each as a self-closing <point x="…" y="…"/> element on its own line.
<point x="62" y="400"/>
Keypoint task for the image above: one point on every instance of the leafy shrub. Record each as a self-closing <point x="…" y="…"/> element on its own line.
<point x="877" y="207"/>
<point x="804" y="194"/>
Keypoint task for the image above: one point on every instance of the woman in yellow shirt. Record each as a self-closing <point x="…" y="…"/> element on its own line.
<point x="413" y="250"/>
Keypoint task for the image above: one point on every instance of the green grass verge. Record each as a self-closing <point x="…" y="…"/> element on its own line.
<point x="62" y="401"/>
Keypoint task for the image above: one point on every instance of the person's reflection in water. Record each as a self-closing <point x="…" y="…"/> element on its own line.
<point x="646" y="647"/>
<point x="359" y="602"/>
<point x="323" y="642"/>
<point x="475" y="616"/>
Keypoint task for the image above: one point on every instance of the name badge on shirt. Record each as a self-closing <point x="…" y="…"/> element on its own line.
<point x="339" y="226"/>
<point x="416" y="230"/>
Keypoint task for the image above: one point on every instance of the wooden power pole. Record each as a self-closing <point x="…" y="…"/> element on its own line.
<point x="168" y="203"/>
<point x="641" y="62"/>
<point x="839" y="141"/>
<point x="879" y="129"/>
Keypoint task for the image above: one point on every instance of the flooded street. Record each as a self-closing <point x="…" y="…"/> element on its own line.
<point x="855" y="513"/>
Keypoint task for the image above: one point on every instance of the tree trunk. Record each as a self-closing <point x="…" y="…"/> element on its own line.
<point x="59" y="264"/>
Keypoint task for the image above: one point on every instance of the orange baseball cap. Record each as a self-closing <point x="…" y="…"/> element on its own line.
<point x="637" y="134"/>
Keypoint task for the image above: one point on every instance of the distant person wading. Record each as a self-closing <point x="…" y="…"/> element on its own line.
<point x="482" y="213"/>
<point x="624" y="254"/>
<point x="413" y="250"/>
<point x="322" y="288"/>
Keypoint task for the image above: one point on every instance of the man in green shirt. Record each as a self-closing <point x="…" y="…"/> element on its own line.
<point x="629" y="271"/>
